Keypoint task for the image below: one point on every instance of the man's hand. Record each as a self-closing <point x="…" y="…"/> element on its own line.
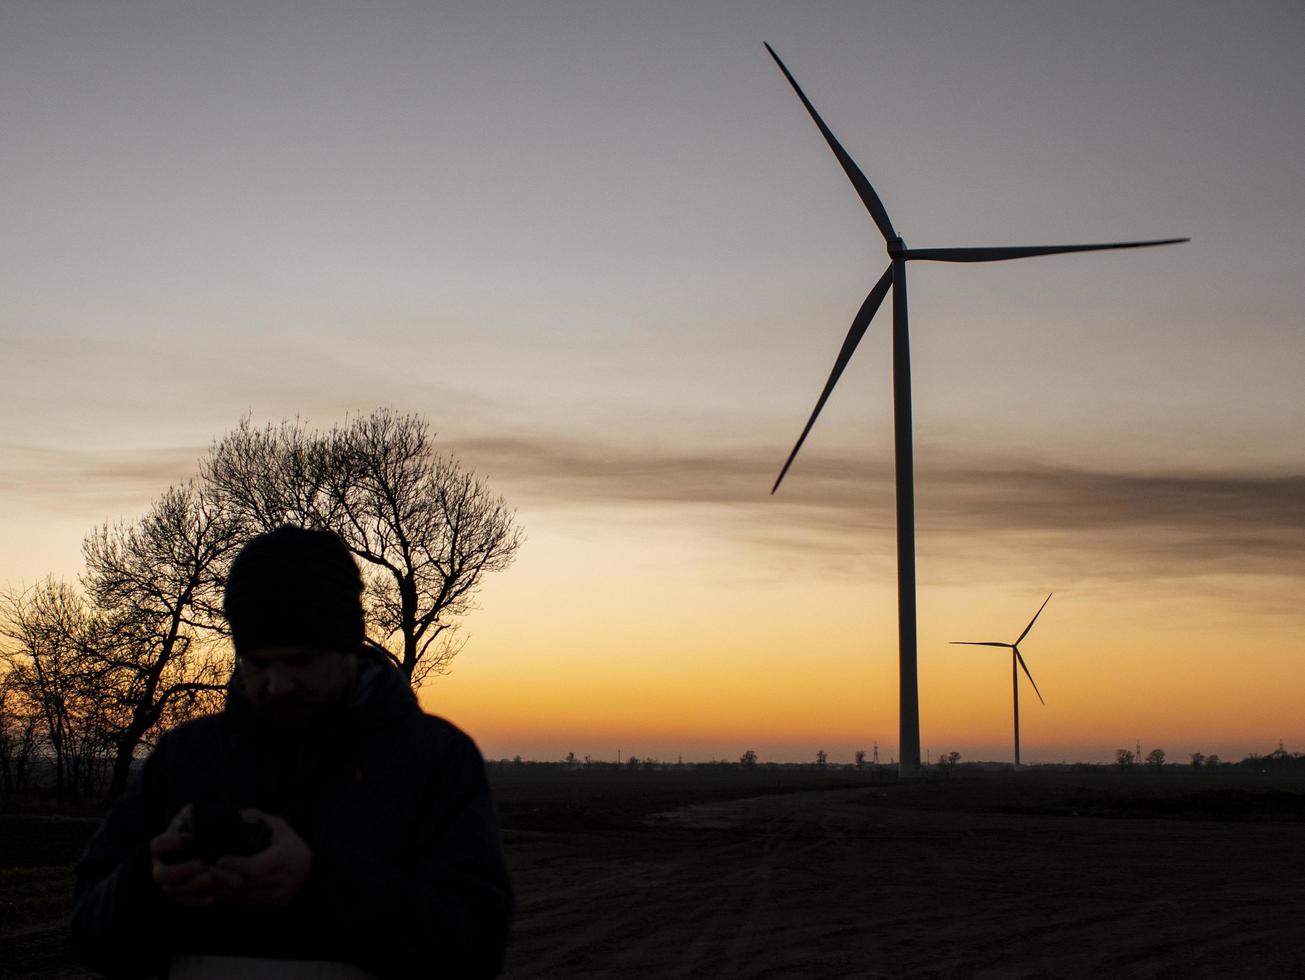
<point x="188" y="882"/>
<point x="270" y="878"/>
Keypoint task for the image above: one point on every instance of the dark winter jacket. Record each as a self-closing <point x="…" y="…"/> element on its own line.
<point x="407" y="874"/>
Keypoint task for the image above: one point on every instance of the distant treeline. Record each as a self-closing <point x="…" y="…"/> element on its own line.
<point x="1277" y="761"/>
<point x="637" y="764"/>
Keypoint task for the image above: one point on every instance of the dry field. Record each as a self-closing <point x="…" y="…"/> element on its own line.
<point x="802" y="874"/>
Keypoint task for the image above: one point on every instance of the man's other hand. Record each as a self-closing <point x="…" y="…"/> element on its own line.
<point x="270" y="878"/>
<point x="186" y="882"/>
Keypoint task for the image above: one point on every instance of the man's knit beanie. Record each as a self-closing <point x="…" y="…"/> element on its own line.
<point x="295" y="587"/>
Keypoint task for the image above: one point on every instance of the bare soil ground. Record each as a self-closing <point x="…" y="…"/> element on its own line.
<point x="805" y="874"/>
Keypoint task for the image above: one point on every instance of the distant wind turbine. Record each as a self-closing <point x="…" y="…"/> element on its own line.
<point x="1015" y="659"/>
<point x="895" y="277"/>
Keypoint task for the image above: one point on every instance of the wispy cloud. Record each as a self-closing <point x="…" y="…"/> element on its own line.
<point x="67" y="480"/>
<point x="1121" y="523"/>
<point x="833" y="509"/>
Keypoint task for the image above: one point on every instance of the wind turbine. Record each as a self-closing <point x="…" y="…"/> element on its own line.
<point x="1015" y="660"/>
<point x="895" y="277"/>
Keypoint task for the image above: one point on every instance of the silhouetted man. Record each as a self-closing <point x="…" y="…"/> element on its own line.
<point x="321" y="825"/>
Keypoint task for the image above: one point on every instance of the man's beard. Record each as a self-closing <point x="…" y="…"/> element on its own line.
<point x="293" y="717"/>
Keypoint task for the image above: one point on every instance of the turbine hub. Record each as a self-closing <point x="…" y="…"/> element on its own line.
<point x="896" y="248"/>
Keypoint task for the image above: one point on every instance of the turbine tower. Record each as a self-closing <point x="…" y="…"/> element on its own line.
<point x="1015" y="660"/>
<point x="894" y="277"/>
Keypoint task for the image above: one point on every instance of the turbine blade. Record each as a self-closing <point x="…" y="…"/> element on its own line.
<point x="863" y="188"/>
<point x="1028" y="675"/>
<point x="976" y="643"/>
<point x="1035" y="617"/>
<point x="1002" y="252"/>
<point x="859" y="324"/>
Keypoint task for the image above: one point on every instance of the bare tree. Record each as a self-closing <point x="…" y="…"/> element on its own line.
<point x="51" y="629"/>
<point x="271" y="476"/>
<point x="20" y="734"/>
<point x="1155" y="758"/>
<point x="748" y="760"/>
<point x="425" y="528"/>
<point x="157" y="586"/>
<point x="1124" y="758"/>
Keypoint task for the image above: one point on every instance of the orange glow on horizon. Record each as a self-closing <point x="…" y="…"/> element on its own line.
<point x="787" y="666"/>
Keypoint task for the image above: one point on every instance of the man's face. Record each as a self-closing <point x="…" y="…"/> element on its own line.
<point x="290" y="686"/>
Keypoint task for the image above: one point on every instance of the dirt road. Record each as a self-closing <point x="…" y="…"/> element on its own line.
<point x="851" y="884"/>
<point x="1009" y="875"/>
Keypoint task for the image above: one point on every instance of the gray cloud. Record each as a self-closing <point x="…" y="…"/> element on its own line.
<point x="1090" y="522"/>
<point x="563" y="471"/>
<point x="1168" y="523"/>
<point x="75" y="481"/>
<point x="834" y="510"/>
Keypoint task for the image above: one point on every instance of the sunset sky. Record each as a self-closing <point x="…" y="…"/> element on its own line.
<point x="603" y="250"/>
